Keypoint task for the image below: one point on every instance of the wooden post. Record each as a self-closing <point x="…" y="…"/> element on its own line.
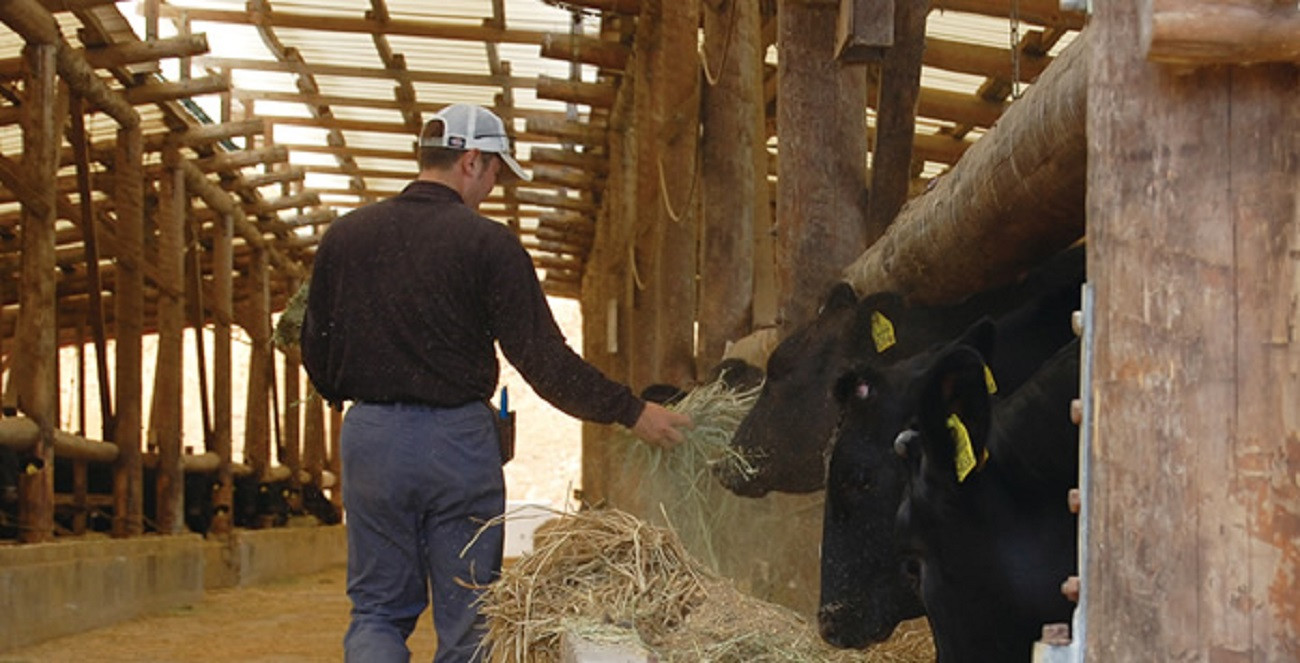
<point x="168" y="378"/>
<point x="313" y="436"/>
<point x="35" y="357"/>
<point x="645" y="206"/>
<point x="222" y="406"/>
<point x="257" y="441"/>
<point x="900" y="87"/>
<point x="676" y="187"/>
<point x="865" y="30"/>
<point x="732" y="147"/>
<point x="1193" y="192"/>
<point x="128" y="198"/>
<point x="821" y="182"/>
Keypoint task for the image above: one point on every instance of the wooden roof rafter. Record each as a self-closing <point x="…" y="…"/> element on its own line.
<point x="259" y="11"/>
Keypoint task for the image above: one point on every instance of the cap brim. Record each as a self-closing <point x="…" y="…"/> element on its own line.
<point x="515" y="168"/>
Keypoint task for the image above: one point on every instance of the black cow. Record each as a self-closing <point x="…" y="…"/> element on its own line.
<point x="867" y="582"/>
<point x="10" y="470"/>
<point x="985" y="510"/>
<point x="785" y="435"/>
<point x="258" y="505"/>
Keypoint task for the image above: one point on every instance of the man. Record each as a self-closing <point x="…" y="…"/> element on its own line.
<point x="407" y="298"/>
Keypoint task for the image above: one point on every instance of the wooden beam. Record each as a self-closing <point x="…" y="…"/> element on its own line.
<point x="981" y="60"/>
<point x="365" y="25"/>
<point x="152" y="93"/>
<point x="1209" y="32"/>
<point x="900" y="84"/>
<point x="34" y="367"/>
<point x="1038" y="12"/>
<point x="822" y="176"/>
<point x="166" y="416"/>
<point x="126" y="53"/>
<point x="317" y="69"/>
<point x="1015" y="196"/>
<point x="596" y="95"/>
<point x="864" y="31"/>
<point x="587" y="50"/>
<point x="1194" y="259"/>
<point x="128" y="480"/>
<point x="567" y="157"/>
<point x="37" y="26"/>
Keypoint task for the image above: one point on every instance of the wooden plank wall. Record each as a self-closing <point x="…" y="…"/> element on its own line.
<point x="1194" y="253"/>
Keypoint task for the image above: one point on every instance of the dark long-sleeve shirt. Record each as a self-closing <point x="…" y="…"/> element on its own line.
<point x="407" y="297"/>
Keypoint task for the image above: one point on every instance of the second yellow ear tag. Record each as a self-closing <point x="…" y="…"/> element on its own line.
<point x="964" y="454"/>
<point x="989" y="382"/>
<point x="882" y="332"/>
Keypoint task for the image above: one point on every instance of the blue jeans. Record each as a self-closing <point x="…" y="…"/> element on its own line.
<point x="418" y="484"/>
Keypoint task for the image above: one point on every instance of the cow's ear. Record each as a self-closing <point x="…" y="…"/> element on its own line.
<point x="955" y="412"/>
<point x="840" y="297"/>
<point x="875" y="322"/>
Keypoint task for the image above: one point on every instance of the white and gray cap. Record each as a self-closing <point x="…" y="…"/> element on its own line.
<point x="472" y="127"/>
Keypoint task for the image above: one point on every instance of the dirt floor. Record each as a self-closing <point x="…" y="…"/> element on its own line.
<point x="298" y="620"/>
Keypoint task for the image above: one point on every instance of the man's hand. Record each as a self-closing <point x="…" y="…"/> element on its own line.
<point x="660" y="427"/>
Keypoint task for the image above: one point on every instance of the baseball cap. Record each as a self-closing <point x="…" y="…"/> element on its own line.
<point x="472" y="127"/>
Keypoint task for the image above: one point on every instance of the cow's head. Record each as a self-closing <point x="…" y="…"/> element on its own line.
<point x="784" y="437"/>
<point x="869" y="582"/>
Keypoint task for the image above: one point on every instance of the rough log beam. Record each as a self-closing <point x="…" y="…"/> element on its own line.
<point x="1015" y="196"/>
<point x="563" y="157"/>
<point x="20" y="434"/>
<point x="440" y="77"/>
<point x="1038" y="12"/>
<point x="1207" y="32"/>
<point x="117" y="55"/>
<point x="597" y="95"/>
<point x="153" y="93"/>
<point x="587" y="50"/>
<point x="367" y="25"/>
<point x="223" y="203"/>
<point x="37" y="26"/>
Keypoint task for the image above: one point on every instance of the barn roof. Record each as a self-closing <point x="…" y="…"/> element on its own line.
<point x="342" y="87"/>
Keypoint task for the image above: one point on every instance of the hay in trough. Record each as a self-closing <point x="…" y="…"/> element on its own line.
<point x="606" y="576"/>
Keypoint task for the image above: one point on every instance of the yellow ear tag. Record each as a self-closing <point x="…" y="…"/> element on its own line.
<point x="964" y="456"/>
<point x="882" y="332"/>
<point x="989" y="382"/>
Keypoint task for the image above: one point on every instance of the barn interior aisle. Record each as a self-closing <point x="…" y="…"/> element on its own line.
<point x="837" y="186"/>
<point x="296" y="620"/>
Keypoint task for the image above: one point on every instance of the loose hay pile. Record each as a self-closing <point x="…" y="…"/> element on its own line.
<point x="598" y="570"/>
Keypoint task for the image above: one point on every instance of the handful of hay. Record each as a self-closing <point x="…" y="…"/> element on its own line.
<point x="599" y="573"/>
<point x="288" y="329"/>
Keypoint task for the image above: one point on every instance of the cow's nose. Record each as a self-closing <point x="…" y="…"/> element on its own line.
<point x="736" y="480"/>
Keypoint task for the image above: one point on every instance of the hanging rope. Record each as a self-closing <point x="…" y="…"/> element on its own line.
<point x="663" y="187"/>
<point x="709" y="76"/>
